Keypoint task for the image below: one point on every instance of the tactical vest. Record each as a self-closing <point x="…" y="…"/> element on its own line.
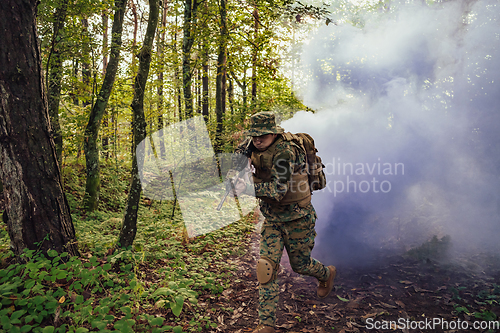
<point x="298" y="190"/>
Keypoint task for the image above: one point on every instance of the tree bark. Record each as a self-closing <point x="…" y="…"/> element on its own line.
<point x="255" y="56"/>
<point x="190" y="9"/>
<point x="205" y="58"/>
<point x="55" y="74"/>
<point x="37" y="212"/>
<point x="129" y="226"/>
<point x="86" y="72"/>
<point x="92" y="186"/>
<point x="161" y="69"/>
<point x="105" y="138"/>
<point x="220" y="82"/>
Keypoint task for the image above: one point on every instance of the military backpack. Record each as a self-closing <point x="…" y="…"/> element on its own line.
<point x="315" y="172"/>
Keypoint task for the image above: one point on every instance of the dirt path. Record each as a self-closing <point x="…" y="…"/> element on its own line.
<point x="408" y="292"/>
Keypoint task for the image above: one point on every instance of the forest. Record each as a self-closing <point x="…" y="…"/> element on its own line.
<point x="117" y="118"/>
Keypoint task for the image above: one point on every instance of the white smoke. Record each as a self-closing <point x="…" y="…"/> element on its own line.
<point x="415" y="86"/>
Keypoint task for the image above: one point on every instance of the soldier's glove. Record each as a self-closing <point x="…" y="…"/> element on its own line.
<point x="239" y="187"/>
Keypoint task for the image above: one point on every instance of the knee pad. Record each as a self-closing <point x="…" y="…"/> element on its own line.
<point x="266" y="270"/>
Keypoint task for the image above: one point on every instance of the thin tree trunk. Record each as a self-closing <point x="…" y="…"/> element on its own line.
<point x="86" y="74"/>
<point x="190" y="9"/>
<point x="134" y="39"/>
<point x="205" y="58"/>
<point x="220" y="84"/>
<point x="92" y="187"/>
<point x="55" y="74"/>
<point x="177" y="80"/>
<point x="37" y="212"/>
<point x="230" y="96"/>
<point x="205" y="82"/>
<point x="161" y="69"/>
<point x="105" y="138"/>
<point x="199" y="96"/>
<point x="129" y="226"/>
<point x="255" y="56"/>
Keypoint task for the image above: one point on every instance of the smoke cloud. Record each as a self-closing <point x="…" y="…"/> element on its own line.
<point x="408" y="129"/>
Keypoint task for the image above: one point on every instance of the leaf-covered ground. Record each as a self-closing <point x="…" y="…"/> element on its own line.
<point x="397" y="294"/>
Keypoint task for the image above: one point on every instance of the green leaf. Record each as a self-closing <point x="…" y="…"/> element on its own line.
<point x="93" y="261"/>
<point x="158" y="321"/>
<point x="26" y="328"/>
<point x="48" y="329"/>
<point x="163" y="292"/>
<point x="342" y="299"/>
<point x="52" y="253"/>
<point x="106" y="267"/>
<point x="16" y="315"/>
<point x="177" y="329"/>
<point x="177" y="305"/>
<point x="81" y="330"/>
<point x="99" y="324"/>
<point x="51" y="305"/>
<point x="29" y="284"/>
<point x="38" y="299"/>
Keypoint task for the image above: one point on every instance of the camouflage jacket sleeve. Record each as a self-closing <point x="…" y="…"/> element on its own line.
<point x="283" y="165"/>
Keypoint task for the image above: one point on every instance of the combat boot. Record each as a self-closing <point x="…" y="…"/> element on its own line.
<point x="325" y="287"/>
<point x="264" y="329"/>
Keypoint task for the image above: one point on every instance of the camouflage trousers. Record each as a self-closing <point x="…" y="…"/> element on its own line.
<point x="297" y="237"/>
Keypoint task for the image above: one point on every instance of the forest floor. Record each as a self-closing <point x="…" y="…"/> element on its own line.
<point x="400" y="294"/>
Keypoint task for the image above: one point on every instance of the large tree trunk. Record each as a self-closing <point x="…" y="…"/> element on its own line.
<point x="91" y="198"/>
<point x="55" y="74"/>
<point x="129" y="226"/>
<point x="220" y="82"/>
<point x="190" y="8"/>
<point x="36" y="209"/>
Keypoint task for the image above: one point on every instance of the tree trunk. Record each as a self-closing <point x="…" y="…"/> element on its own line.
<point x="92" y="186"/>
<point x="230" y="96"/>
<point x="161" y="69"/>
<point x="129" y="226"/>
<point x="37" y="212"/>
<point x="177" y="80"/>
<point x="204" y="106"/>
<point x="220" y="84"/>
<point x="190" y="8"/>
<point x="255" y="56"/>
<point x="87" y="100"/>
<point x="134" y="39"/>
<point x="105" y="138"/>
<point x="55" y="74"/>
<point x="205" y="58"/>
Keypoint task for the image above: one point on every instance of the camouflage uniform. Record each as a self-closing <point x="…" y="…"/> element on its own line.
<point x="288" y="226"/>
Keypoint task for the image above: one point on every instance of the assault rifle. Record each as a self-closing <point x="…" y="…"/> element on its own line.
<point x="240" y="162"/>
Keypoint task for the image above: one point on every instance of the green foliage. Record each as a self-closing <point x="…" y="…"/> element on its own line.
<point x="127" y="291"/>
<point x="433" y="249"/>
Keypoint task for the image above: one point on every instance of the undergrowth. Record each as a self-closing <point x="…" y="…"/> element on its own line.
<point x="152" y="287"/>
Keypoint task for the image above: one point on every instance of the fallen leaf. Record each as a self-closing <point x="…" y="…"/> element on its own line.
<point x="405" y="282"/>
<point x="385" y="305"/>
<point x="369" y="315"/>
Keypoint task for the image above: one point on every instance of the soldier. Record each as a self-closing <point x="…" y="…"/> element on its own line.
<point x="281" y="184"/>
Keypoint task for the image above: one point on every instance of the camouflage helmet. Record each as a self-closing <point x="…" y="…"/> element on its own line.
<point x="263" y="123"/>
